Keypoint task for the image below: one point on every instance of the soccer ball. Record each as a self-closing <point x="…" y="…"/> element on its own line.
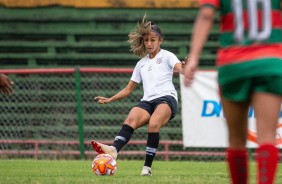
<point x="104" y="165"/>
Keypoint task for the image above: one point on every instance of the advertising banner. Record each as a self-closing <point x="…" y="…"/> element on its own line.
<point x="203" y="119"/>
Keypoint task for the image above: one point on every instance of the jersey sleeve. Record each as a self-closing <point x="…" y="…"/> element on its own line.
<point x="214" y="3"/>
<point x="172" y="60"/>
<point x="136" y="77"/>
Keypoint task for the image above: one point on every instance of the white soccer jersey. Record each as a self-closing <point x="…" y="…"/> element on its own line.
<point x="156" y="75"/>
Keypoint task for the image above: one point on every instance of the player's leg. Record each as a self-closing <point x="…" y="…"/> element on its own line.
<point x="164" y="111"/>
<point x="136" y="118"/>
<point x="159" y="118"/>
<point x="267" y="107"/>
<point x="235" y="98"/>
<point x="236" y="114"/>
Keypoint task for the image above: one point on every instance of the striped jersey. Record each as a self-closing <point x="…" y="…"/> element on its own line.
<point x="249" y="29"/>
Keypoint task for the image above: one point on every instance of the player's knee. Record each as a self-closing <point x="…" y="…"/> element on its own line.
<point x="154" y="127"/>
<point x="132" y="123"/>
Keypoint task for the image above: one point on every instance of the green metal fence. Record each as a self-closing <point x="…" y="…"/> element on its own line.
<point x="52" y="115"/>
<point x="57" y="104"/>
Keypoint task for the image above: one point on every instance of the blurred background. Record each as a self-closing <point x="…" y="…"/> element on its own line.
<point x="63" y="53"/>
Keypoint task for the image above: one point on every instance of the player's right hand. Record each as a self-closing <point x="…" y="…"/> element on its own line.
<point x="101" y="100"/>
<point x="5" y="85"/>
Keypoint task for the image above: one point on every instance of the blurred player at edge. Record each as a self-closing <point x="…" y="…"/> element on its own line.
<point x="159" y="102"/>
<point x="249" y="74"/>
<point x="5" y="85"/>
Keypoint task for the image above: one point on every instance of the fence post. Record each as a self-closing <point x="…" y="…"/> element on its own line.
<point x="79" y="113"/>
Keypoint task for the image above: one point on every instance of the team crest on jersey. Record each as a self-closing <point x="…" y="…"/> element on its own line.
<point x="159" y="60"/>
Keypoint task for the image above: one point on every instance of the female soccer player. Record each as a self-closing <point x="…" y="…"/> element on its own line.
<point x="159" y="102"/>
<point x="249" y="74"/>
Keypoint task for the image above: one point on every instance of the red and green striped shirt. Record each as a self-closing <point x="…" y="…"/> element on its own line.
<point x="250" y="30"/>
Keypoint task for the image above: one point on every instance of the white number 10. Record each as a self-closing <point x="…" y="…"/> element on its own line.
<point x="255" y="34"/>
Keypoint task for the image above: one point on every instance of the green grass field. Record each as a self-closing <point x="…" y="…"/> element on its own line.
<point x="68" y="172"/>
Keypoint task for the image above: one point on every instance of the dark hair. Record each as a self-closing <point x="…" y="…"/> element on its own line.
<point x="157" y="30"/>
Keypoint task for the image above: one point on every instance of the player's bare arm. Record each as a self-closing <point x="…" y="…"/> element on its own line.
<point x="200" y="34"/>
<point x="178" y="67"/>
<point x="120" y="95"/>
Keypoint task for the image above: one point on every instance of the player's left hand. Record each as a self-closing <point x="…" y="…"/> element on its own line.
<point x="186" y="60"/>
<point x="189" y="71"/>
